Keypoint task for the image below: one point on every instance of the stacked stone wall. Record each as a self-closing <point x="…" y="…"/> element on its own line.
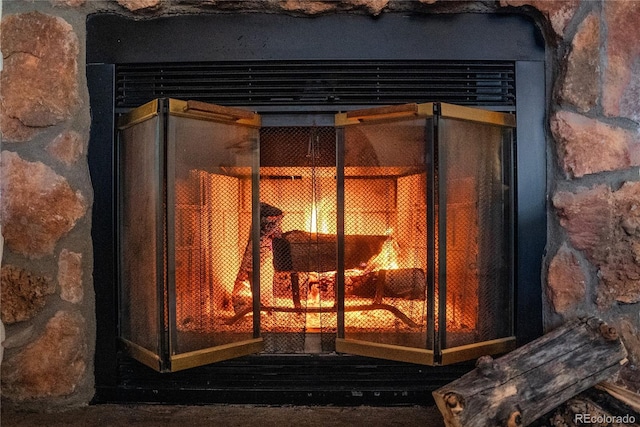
<point x="593" y="252"/>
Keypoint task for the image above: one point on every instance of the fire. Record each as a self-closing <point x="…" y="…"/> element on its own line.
<point x="387" y="259"/>
<point x="313" y="300"/>
<point x="245" y="289"/>
<point x="316" y="222"/>
<point x="313" y="221"/>
<point x="396" y="254"/>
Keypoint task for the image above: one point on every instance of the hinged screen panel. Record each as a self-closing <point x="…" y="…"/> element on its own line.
<point x="385" y="177"/>
<point x="197" y="207"/>
<point x="475" y="298"/>
<point x="447" y="271"/>
<point x="141" y="256"/>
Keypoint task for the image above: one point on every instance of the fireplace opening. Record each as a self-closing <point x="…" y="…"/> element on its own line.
<point x="344" y="205"/>
<point x="387" y="235"/>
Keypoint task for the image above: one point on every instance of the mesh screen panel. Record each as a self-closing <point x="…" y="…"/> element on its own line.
<point x="385" y="188"/>
<point x="212" y="226"/>
<point x="477" y="305"/>
<point x="297" y="177"/>
<point x="140" y="243"/>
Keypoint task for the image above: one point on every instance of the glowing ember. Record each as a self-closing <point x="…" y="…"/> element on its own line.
<point x="313" y="300"/>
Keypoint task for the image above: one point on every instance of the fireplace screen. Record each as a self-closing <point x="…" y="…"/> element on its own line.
<point x="387" y="235"/>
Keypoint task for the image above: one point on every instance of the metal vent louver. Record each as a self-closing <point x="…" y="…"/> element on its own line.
<point x="320" y="84"/>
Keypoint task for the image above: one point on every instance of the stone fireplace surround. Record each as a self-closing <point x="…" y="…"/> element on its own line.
<point x="165" y="46"/>
<point x="591" y="264"/>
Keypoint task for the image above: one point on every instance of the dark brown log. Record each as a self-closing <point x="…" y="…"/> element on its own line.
<point x="270" y="227"/>
<point x="525" y="384"/>
<point x="623" y="395"/>
<point x="302" y="251"/>
<point x="406" y="283"/>
<point x="594" y="407"/>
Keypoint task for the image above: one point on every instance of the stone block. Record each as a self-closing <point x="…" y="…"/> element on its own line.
<point x="70" y="276"/>
<point x="586" y="146"/>
<point x="51" y="366"/>
<point x="38" y="206"/>
<point x="307" y="7"/>
<point x="621" y="87"/>
<point x="45" y="48"/>
<point x="139" y="5"/>
<point x="605" y="224"/>
<point x="558" y="12"/>
<point x="587" y="215"/>
<point x="316" y="7"/>
<point x="581" y="84"/>
<point x="23" y="294"/>
<point x="566" y="286"/>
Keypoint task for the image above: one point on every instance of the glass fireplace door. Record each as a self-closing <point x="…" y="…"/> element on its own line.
<point x="436" y="180"/>
<point x="388" y="235"/>
<point x="187" y="192"/>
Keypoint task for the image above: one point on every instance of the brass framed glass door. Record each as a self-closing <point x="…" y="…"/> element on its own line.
<point x="186" y="200"/>
<point x="389" y="235"/>
<point x="440" y="187"/>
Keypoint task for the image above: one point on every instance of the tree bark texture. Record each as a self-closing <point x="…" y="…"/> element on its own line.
<point x="525" y="384"/>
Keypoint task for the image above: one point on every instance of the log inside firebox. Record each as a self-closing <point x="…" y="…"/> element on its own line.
<point x="303" y="251"/>
<point x="406" y="283"/>
<point x="525" y="384"/>
<point x="299" y="252"/>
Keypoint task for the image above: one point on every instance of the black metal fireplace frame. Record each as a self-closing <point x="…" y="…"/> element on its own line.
<point x="317" y="379"/>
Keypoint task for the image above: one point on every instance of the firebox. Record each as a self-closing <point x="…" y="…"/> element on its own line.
<point x="387" y="235"/>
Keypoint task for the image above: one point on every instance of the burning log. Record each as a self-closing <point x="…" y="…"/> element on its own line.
<point x="406" y="283"/>
<point x="520" y="387"/>
<point x="366" y="257"/>
<point x="302" y="251"/>
<point x="303" y="261"/>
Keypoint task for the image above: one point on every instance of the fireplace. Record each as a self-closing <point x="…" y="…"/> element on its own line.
<point x="325" y="244"/>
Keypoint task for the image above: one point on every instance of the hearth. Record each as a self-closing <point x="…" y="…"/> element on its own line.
<point x="364" y="244"/>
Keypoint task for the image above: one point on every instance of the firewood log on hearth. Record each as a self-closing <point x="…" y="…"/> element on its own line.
<point x="525" y="384"/>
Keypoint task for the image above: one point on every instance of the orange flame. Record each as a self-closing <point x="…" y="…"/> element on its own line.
<point x="316" y="221"/>
<point x="387" y="259"/>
